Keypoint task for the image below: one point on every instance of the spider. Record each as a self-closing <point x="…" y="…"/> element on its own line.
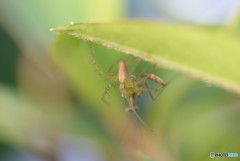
<point x="129" y="85"/>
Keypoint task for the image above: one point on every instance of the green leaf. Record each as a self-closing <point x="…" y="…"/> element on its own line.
<point x="208" y="53"/>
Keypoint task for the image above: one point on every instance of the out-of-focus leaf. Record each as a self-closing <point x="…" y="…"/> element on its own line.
<point x="211" y="54"/>
<point x="8" y="59"/>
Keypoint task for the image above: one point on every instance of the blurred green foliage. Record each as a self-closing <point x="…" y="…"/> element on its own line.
<point x="8" y="62"/>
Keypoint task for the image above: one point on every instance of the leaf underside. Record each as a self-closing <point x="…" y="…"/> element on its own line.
<point x="208" y="53"/>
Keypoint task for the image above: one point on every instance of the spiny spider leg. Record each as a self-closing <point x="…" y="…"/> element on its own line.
<point x="148" y="85"/>
<point x="156" y="79"/>
<point x="134" y="111"/>
<point x="105" y="76"/>
<point x="94" y="61"/>
<point x="162" y="88"/>
<point x="115" y="63"/>
<point x="133" y="65"/>
<point x="149" y="89"/>
<point x="150" y="92"/>
<point x="106" y="90"/>
<point x="153" y="67"/>
<point x="143" y="79"/>
<point x="108" y="76"/>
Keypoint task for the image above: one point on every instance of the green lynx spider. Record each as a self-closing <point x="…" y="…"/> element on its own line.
<point x="129" y="85"/>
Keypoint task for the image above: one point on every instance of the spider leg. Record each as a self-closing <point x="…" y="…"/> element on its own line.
<point x="136" y="114"/>
<point x="113" y="77"/>
<point x="159" y="81"/>
<point x="132" y="65"/>
<point x="94" y="61"/>
<point x="156" y="79"/>
<point x="105" y="92"/>
<point x="153" y="67"/>
<point x="115" y="63"/>
<point x="150" y="92"/>
<point x="132" y="100"/>
<point x="143" y="79"/>
<point x="105" y="76"/>
<point x="149" y="89"/>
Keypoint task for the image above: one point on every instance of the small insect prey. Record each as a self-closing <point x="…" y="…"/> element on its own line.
<point x="129" y="85"/>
